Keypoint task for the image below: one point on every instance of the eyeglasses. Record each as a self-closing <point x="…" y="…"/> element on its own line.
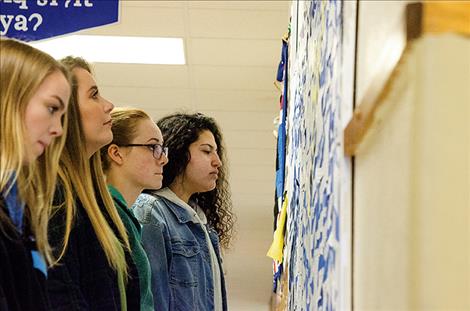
<point x="157" y="149"/>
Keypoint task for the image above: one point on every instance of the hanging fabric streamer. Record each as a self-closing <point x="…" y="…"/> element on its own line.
<point x="275" y="251"/>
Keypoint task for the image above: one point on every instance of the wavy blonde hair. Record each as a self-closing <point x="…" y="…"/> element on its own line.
<point x="83" y="179"/>
<point x="22" y="70"/>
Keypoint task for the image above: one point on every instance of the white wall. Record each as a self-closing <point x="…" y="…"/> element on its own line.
<point x="441" y="206"/>
<point x="347" y="81"/>
<point x="411" y="226"/>
<point x="382" y="178"/>
<point x="383" y="195"/>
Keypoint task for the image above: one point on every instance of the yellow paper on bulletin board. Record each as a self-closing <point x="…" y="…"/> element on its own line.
<point x="277" y="247"/>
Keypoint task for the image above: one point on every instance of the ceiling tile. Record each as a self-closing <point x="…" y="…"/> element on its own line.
<point x="234" y="52"/>
<point x="148" y="99"/>
<point x="277" y="5"/>
<point x="146" y="21"/>
<point x="229" y="100"/>
<point x="233" y="78"/>
<point x="155" y="3"/>
<point x="136" y="75"/>
<point x="237" y="24"/>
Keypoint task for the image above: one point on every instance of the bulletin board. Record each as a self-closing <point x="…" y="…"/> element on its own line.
<point x="313" y="156"/>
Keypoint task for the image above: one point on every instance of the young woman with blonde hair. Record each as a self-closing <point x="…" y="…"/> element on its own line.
<point x="34" y="95"/>
<point x="134" y="161"/>
<point x="90" y="238"/>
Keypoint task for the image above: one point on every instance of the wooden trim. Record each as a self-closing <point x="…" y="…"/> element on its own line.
<point x="363" y="115"/>
<point x="414" y="16"/>
<point x="428" y="17"/>
<point x="446" y="16"/>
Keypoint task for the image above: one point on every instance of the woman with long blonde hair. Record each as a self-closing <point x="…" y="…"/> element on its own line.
<point x="34" y="95"/>
<point x="90" y="239"/>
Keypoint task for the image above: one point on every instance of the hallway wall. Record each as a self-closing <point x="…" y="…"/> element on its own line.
<point x="383" y="166"/>
<point x="441" y="205"/>
<point x="412" y="238"/>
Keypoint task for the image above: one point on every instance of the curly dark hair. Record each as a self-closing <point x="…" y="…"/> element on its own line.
<point x="179" y="131"/>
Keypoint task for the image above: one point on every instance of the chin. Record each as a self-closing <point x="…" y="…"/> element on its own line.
<point x="33" y="156"/>
<point x="210" y="188"/>
<point x="30" y="158"/>
<point x="104" y="141"/>
<point x="154" y="186"/>
<point x="109" y="139"/>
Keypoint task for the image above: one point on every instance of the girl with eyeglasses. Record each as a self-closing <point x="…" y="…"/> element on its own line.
<point x="34" y="96"/>
<point x="132" y="162"/>
<point x="186" y="222"/>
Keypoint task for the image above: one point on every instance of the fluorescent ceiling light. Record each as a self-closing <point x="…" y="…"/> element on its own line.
<point x="115" y="49"/>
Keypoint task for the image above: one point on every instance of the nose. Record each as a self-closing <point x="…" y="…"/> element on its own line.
<point x="108" y="106"/>
<point x="56" y="129"/>
<point x="163" y="159"/>
<point x="217" y="162"/>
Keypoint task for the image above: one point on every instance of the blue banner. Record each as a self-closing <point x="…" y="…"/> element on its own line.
<point x="31" y="20"/>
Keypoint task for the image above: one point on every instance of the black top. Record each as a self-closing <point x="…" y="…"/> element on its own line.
<point x="22" y="287"/>
<point x="83" y="280"/>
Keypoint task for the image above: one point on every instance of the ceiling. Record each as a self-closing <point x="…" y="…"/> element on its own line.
<point x="232" y="52"/>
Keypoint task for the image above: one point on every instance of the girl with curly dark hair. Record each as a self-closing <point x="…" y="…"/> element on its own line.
<point x="185" y="222"/>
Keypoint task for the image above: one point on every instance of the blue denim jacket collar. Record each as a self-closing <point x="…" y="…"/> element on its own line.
<point x="183" y="215"/>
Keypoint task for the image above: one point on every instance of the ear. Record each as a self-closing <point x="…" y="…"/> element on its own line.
<point x="114" y="153"/>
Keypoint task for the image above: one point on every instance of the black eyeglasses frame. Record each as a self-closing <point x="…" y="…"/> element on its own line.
<point x="157" y="149"/>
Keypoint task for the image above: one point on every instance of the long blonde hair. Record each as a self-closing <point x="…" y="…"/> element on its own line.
<point x="22" y="70"/>
<point x="83" y="179"/>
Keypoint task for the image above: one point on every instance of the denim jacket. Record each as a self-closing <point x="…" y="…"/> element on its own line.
<point x="179" y="256"/>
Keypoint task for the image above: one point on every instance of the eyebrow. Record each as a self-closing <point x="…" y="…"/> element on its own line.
<point x="155" y="139"/>
<point x="208" y="145"/>
<point x="62" y="105"/>
<point x="93" y="88"/>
